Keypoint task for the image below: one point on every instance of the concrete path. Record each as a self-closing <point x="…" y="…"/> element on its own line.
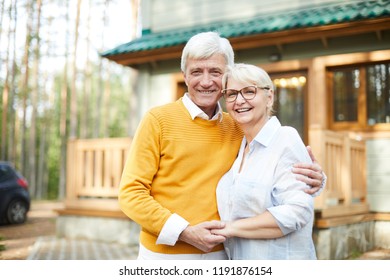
<point x="53" y="248"/>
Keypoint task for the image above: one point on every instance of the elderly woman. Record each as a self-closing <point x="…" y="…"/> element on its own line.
<point x="268" y="214"/>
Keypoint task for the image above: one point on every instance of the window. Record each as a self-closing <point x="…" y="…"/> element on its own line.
<point x="5" y="173"/>
<point x="346" y="84"/>
<point x="378" y="94"/>
<point x="360" y="97"/>
<point x="290" y="100"/>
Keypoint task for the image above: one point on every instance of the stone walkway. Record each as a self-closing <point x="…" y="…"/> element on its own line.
<point x="53" y="248"/>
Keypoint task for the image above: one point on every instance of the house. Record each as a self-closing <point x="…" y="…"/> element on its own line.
<point x="330" y="63"/>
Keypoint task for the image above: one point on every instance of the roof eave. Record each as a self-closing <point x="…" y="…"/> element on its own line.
<point x="134" y="59"/>
<point x="310" y="33"/>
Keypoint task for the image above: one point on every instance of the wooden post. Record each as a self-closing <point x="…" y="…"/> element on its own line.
<point x="346" y="184"/>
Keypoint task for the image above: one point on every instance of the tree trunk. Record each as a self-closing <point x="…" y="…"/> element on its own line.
<point x="84" y="114"/>
<point x="34" y="104"/>
<point x="133" y="77"/>
<point x="63" y="114"/>
<point x="1" y="23"/>
<point x="106" y="102"/>
<point x="12" y="93"/>
<point x="100" y="90"/>
<point x="73" y="101"/>
<point x="24" y="89"/>
<point x="5" y="103"/>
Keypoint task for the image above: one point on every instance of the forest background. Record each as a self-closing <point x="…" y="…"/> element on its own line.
<point x="54" y="86"/>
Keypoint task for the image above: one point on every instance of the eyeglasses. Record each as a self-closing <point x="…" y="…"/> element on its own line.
<point x="247" y="93"/>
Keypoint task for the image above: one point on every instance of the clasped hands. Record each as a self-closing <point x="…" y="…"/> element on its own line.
<point x="204" y="235"/>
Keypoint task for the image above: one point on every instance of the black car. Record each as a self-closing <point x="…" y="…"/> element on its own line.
<point x="14" y="195"/>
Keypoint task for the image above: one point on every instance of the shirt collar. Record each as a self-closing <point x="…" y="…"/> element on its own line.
<point x="268" y="131"/>
<point x="195" y="111"/>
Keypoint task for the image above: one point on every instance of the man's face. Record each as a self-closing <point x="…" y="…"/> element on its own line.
<point x="203" y="78"/>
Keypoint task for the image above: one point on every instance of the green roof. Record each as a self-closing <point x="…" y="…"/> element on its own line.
<point x="316" y="16"/>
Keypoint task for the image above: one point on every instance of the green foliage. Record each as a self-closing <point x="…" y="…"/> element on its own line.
<point x="2" y="246"/>
<point x="105" y="118"/>
<point x="53" y="166"/>
<point x="119" y="100"/>
<point x="117" y="112"/>
<point x="355" y="254"/>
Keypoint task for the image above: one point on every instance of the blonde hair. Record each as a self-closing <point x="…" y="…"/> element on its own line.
<point x="247" y="73"/>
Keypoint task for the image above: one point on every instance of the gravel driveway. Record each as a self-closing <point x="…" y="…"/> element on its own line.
<point x="19" y="239"/>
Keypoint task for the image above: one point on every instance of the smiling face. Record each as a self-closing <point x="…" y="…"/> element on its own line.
<point x="250" y="114"/>
<point x="203" y="78"/>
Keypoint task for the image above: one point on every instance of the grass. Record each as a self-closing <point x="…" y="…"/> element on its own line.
<point x="2" y="246"/>
<point x="355" y="254"/>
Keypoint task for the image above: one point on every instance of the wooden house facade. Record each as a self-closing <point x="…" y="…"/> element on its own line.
<point x="330" y="63"/>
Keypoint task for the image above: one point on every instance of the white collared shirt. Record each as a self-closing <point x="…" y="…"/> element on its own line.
<point x="195" y="111"/>
<point x="266" y="183"/>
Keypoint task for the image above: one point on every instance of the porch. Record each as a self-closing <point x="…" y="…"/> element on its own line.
<point x="342" y="219"/>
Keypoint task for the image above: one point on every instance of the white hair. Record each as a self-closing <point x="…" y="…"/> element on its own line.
<point x="204" y="45"/>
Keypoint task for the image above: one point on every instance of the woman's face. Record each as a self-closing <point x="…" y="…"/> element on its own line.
<point x="254" y="112"/>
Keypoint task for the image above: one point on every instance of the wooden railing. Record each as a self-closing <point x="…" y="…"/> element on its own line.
<point x="344" y="162"/>
<point x="95" y="167"/>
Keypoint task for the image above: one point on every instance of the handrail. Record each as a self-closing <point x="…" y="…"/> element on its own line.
<point x="344" y="162"/>
<point x="95" y="166"/>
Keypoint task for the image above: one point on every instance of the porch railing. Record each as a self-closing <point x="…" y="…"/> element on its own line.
<point x="344" y="162"/>
<point x="94" y="169"/>
<point x="95" y="166"/>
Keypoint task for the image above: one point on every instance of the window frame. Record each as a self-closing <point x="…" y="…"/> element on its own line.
<point x="361" y="124"/>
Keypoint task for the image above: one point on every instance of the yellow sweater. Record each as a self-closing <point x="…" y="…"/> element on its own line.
<point x="174" y="165"/>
